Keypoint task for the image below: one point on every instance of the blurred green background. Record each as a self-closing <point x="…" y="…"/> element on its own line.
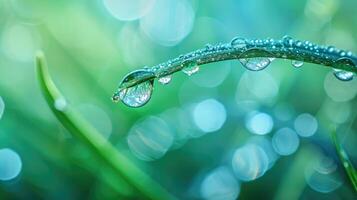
<point x="223" y="133"/>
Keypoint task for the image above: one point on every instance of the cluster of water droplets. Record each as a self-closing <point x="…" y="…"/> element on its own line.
<point x="136" y="88"/>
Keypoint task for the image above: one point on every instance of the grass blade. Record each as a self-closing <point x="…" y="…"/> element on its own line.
<point x="349" y="169"/>
<point x="100" y="147"/>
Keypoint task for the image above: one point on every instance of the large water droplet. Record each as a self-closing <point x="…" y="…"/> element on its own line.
<point x="343" y="63"/>
<point x="238" y="42"/>
<point x="297" y="63"/>
<point x="191" y="69"/>
<point x="165" y="80"/>
<point x="136" y="88"/>
<point x="137" y="95"/>
<point x="343" y="75"/>
<point x="255" y="64"/>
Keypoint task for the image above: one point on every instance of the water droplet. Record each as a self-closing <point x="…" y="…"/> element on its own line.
<point x="255" y="64"/>
<point x="297" y="63"/>
<point x="349" y="53"/>
<point x="330" y="49"/>
<point x="238" y="42"/>
<point x="165" y="80"/>
<point x="191" y="69"/>
<point x="138" y="95"/>
<point x="288" y="41"/>
<point x="60" y="104"/>
<point x="343" y="75"/>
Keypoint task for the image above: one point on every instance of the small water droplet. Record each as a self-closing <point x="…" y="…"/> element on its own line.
<point x="349" y="53"/>
<point x="343" y="75"/>
<point x="238" y="42"/>
<point x="297" y="63"/>
<point x="137" y="95"/>
<point x="191" y="69"/>
<point x="60" y="104"/>
<point x="330" y="49"/>
<point x="255" y="64"/>
<point x="288" y="41"/>
<point x="165" y="80"/>
<point x="298" y="43"/>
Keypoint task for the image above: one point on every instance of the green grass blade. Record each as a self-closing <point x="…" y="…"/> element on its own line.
<point x="350" y="170"/>
<point x="101" y="148"/>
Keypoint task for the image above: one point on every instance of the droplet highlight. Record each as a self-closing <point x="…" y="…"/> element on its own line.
<point x="165" y="80"/>
<point x="343" y="75"/>
<point x="297" y="63"/>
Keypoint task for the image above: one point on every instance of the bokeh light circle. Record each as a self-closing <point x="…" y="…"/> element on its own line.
<point x="128" y="10"/>
<point x="10" y="164"/>
<point x="168" y="22"/>
<point x="340" y="91"/>
<point x="259" y="123"/>
<point x="285" y="141"/>
<point x="305" y="125"/>
<point x="150" y="139"/>
<point x="19" y="42"/>
<point x="209" y="115"/>
<point x="250" y="162"/>
<point x="322" y="175"/>
<point x="220" y="184"/>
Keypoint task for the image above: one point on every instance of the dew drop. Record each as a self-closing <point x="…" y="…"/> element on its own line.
<point x="137" y="95"/>
<point x="330" y="49"/>
<point x="60" y="104"/>
<point x="343" y="75"/>
<point x="255" y="64"/>
<point x="349" y="53"/>
<point x="165" y="80"/>
<point x="238" y="42"/>
<point x="288" y="41"/>
<point x="297" y="63"/>
<point x="191" y="69"/>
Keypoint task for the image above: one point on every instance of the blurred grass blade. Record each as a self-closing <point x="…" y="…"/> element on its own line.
<point x="350" y="170"/>
<point x="100" y="147"/>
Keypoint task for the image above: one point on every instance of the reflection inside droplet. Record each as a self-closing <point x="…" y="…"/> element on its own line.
<point x="255" y="64"/>
<point x="137" y="95"/>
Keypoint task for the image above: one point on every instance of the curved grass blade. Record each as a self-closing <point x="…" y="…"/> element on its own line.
<point x="101" y="148"/>
<point x="349" y="169"/>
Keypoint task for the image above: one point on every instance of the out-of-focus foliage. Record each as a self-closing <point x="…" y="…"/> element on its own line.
<point x="222" y="133"/>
